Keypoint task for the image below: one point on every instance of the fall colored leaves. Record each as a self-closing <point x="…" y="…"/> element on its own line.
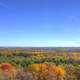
<point x="46" y="70"/>
<point x="37" y="71"/>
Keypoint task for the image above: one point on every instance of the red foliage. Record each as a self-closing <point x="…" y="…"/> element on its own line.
<point x="6" y="66"/>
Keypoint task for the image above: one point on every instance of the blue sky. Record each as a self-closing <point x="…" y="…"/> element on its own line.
<point x="40" y="23"/>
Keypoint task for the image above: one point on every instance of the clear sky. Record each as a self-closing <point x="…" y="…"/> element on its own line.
<point x="40" y="23"/>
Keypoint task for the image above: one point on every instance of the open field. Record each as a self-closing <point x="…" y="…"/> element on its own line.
<point x="40" y="63"/>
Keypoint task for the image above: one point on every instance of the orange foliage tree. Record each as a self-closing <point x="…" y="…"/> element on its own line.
<point x="59" y="71"/>
<point x="43" y="71"/>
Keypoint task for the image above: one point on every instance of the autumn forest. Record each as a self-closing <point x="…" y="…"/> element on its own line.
<point x="39" y="64"/>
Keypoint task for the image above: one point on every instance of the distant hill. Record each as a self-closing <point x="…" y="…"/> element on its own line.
<point x="67" y="49"/>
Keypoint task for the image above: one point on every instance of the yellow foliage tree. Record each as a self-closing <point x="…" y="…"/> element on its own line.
<point x="42" y="70"/>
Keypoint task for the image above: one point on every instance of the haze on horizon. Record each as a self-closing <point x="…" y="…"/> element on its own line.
<point x="40" y="23"/>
